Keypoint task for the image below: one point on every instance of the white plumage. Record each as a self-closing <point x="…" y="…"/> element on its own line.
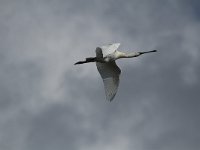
<point x="108" y="69"/>
<point x="109" y="49"/>
<point x="110" y="73"/>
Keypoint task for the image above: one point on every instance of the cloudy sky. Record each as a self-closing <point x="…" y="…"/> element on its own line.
<point x="47" y="103"/>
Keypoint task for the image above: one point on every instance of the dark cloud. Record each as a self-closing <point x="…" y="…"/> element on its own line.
<point x="47" y="103"/>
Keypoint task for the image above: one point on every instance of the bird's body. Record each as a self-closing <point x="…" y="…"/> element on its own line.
<point x="109" y="71"/>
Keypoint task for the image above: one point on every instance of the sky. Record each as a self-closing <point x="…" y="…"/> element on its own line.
<point x="47" y="103"/>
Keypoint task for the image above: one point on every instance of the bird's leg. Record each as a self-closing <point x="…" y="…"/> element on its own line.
<point x="87" y="60"/>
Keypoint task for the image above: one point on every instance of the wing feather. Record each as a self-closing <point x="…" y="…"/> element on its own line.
<point x="110" y="48"/>
<point x="110" y="73"/>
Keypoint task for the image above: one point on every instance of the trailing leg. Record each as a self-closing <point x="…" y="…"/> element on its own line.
<point x="87" y="60"/>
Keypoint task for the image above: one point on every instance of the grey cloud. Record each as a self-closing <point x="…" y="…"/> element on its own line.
<point x="47" y="103"/>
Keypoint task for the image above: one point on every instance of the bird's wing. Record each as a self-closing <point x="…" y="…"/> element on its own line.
<point x="110" y="73"/>
<point x="110" y="48"/>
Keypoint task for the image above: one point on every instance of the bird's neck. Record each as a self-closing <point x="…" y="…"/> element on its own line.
<point x="132" y="54"/>
<point x="127" y="55"/>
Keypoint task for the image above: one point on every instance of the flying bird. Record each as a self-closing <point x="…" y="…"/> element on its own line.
<point x="108" y="69"/>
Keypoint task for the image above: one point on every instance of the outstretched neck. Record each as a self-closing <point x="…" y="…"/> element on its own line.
<point x="127" y="55"/>
<point x="134" y="54"/>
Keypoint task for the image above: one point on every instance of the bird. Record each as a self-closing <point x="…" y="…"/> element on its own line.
<point x="109" y="71"/>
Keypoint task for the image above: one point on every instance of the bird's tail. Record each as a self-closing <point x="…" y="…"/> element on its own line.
<point x="87" y="60"/>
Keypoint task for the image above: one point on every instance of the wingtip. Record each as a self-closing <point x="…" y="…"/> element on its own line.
<point x="114" y="44"/>
<point x="117" y="44"/>
<point x="110" y="99"/>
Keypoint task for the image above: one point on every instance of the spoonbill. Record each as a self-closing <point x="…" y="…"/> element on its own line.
<point x="108" y="69"/>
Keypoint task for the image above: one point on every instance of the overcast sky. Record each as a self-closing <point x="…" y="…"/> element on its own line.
<point x="47" y="103"/>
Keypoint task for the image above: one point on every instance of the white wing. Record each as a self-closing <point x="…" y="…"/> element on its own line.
<point x="108" y="49"/>
<point x="110" y="73"/>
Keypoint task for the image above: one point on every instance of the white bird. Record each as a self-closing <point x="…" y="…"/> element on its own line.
<point x="108" y="69"/>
